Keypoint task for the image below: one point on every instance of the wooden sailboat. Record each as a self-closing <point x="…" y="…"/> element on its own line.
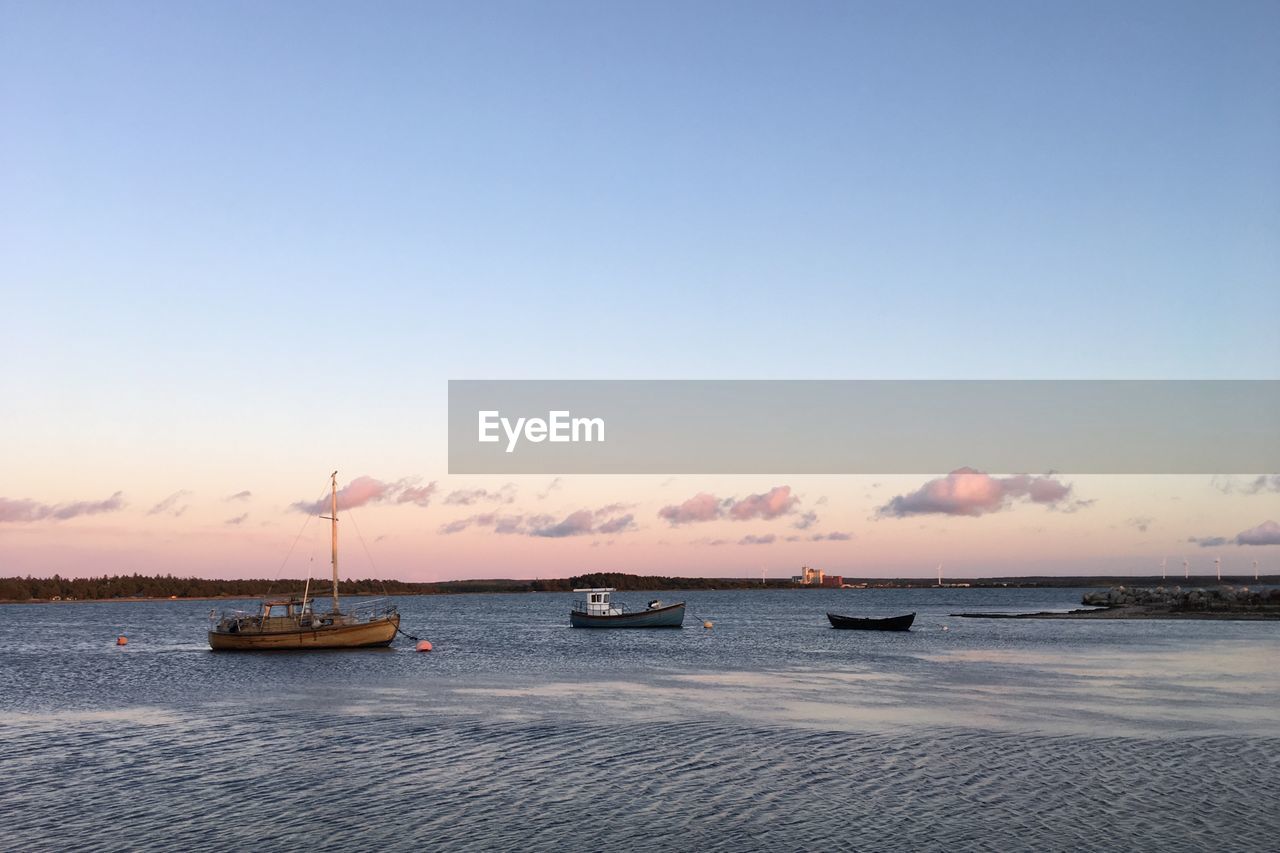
<point x="293" y="624"/>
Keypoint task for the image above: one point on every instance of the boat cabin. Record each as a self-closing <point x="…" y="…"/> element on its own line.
<point x="288" y="607"/>
<point x="597" y="602"/>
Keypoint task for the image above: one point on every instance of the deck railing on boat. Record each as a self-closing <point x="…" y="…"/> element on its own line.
<point x="581" y="606"/>
<point x="366" y="610"/>
<point x="370" y="609"/>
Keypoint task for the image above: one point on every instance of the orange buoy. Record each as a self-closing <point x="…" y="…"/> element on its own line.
<point x="708" y="624"/>
<point x="424" y="645"/>
<point x="122" y="640"/>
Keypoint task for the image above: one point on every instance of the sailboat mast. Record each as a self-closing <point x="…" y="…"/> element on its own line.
<point x="333" y="520"/>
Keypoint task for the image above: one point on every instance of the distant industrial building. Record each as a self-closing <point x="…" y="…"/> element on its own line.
<point x="816" y="577"/>
<point x="808" y="577"/>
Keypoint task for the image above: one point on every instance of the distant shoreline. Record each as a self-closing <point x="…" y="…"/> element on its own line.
<point x="257" y="589"/>
<point x="139" y="588"/>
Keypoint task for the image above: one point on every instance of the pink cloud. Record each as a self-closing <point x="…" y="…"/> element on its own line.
<point x="706" y="507"/>
<point x="969" y="492"/>
<point x="773" y="503"/>
<point x="575" y="524"/>
<point x="14" y="510"/>
<point x="700" y="507"/>
<point x="1266" y="533"/>
<point x="365" y="490"/>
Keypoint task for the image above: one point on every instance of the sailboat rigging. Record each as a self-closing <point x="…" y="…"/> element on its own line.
<point x="293" y="624"/>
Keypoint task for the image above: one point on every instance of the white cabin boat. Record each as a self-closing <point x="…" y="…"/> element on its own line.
<point x="597" y="611"/>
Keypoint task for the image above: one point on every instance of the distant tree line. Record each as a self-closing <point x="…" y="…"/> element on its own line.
<point x="165" y="586"/>
<point x="653" y="582"/>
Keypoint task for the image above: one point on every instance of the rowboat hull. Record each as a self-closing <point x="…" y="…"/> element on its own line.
<point x="852" y="623"/>
<point x="671" y="616"/>
<point x="363" y="635"/>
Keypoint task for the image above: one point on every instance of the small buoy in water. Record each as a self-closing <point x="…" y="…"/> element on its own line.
<point x="945" y="628"/>
<point x="122" y="640"/>
<point x="423" y="646"/>
<point x="707" y="624"/>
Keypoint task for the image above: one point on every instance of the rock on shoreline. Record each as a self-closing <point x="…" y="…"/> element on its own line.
<point x="1223" y="602"/>
<point x="1176" y="598"/>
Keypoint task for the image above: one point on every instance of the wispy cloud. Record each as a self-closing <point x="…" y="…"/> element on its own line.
<point x="1208" y="541"/>
<point x="551" y="487"/>
<point x="457" y="526"/>
<point x="1245" y="486"/>
<point x="617" y="525"/>
<point x="20" y="510"/>
<point x="968" y="492"/>
<point x="408" y="492"/>
<point x="467" y="497"/>
<point x="239" y="519"/>
<point x="805" y="521"/>
<point x="606" y="520"/>
<point x="1140" y="523"/>
<point x="169" y="506"/>
<point x="239" y="496"/>
<point x="703" y="506"/>
<point x="766" y="539"/>
<point x="835" y="536"/>
<point x="366" y="490"/>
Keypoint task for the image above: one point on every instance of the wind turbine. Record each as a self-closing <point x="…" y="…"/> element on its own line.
<point x="1186" y="569"/>
<point x="939" y="574"/>
<point x="1255" y="570"/>
<point x="1217" y="562"/>
<point x="1164" y="564"/>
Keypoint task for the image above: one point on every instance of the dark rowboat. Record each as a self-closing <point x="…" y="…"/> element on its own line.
<point x="893" y="623"/>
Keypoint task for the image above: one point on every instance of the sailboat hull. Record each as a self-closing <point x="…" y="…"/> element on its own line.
<point x="363" y="635"/>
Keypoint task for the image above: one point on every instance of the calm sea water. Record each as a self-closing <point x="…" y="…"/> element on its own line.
<point x="769" y="732"/>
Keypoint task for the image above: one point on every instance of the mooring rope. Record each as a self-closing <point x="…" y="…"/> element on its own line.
<point x="699" y="617"/>
<point x="407" y="634"/>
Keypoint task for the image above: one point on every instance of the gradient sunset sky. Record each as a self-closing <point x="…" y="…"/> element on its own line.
<point x="245" y="244"/>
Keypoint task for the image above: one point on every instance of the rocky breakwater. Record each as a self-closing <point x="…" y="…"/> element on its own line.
<point x="1198" y="600"/>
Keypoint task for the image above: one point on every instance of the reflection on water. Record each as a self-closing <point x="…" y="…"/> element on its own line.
<point x="771" y="731"/>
